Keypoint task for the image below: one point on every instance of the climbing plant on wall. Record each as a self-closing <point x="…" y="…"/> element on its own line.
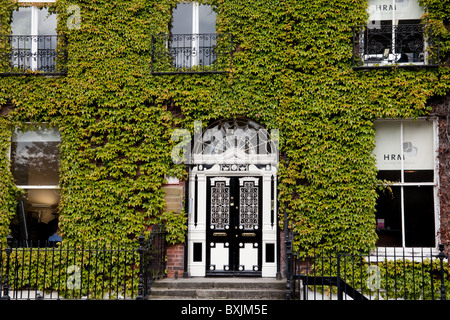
<point x="291" y="71"/>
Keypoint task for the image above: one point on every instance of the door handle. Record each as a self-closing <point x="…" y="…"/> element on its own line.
<point x="249" y="234"/>
<point x="219" y="234"/>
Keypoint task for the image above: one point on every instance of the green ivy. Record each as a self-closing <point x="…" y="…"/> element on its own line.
<point x="74" y="272"/>
<point x="383" y="279"/>
<point x="291" y="71"/>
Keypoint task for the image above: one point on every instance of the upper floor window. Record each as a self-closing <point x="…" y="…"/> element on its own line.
<point x="193" y="44"/>
<point x="394" y="35"/>
<point x="193" y="35"/>
<point x="33" y="44"/>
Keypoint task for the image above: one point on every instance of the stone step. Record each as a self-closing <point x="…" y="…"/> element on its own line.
<point x="219" y="288"/>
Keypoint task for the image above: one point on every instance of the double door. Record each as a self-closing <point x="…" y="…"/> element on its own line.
<point x="233" y="221"/>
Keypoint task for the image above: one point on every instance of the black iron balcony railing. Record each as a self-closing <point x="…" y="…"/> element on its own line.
<point x="191" y="53"/>
<point x="402" y="45"/>
<point x="28" y="54"/>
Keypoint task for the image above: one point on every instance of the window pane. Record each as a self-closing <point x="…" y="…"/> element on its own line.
<point x="418" y="145"/>
<point x="207" y="19"/>
<point x="387" y="145"/>
<point x="47" y="41"/>
<point x="182" y="19"/>
<point x="183" y="15"/>
<point x="21" y="21"/>
<point x="36" y="217"/>
<point x="419" y="216"/>
<point x="20" y="46"/>
<point x="35" y="157"/>
<point x="408" y="9"/>
<point x="419" y="176"/>
<point x="379" y="38"/>
<point x="388" y="218"/>
<point x="46" y="23"/>
<point x="389" y="175"/>
<point x="417" y="148"/>
<point x="408" y="22"/>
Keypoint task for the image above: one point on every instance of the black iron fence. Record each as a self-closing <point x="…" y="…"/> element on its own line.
<point x="32" y="54"/>
<point x="76" y="271"/>
<point x="152" y="258"/>
<point x="191" y="53"/>
<point x="384" y="274"/>
<point x="401" y="45"/>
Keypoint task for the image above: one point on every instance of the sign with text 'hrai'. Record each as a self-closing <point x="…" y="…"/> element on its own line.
<point x="410" y="142"/>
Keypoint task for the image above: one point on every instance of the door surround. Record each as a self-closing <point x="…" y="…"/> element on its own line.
<point x="233" y="149"/>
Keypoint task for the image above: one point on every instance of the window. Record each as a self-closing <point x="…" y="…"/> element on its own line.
<point x="33" y="44"/>
<point x="193" y="45"/>
<point x="35" y="38"/>
<point x="394" y="35"/>
<point x="194" y="34"/>
<point x="405" y="153"/>
<point x="35" y="167"/>
<point x="234" y="144"/>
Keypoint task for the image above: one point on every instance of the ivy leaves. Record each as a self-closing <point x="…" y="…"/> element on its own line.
<point x="291" y="71"/>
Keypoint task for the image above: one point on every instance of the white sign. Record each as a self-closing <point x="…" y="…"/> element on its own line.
<point x="416" y="151"/>
<point x="394" y="10"/>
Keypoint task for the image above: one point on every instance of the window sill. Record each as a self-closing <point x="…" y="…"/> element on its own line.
<point x="387" y="65"/>
<point x="409" y="252"/>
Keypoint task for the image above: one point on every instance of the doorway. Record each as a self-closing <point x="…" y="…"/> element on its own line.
<point x="233" y="236"/>
<point x="231" y="201"/>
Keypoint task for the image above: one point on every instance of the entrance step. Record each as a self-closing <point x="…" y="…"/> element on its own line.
<point x="219" y="288"/>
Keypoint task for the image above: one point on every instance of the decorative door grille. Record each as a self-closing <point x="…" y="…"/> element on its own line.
<point x="220" y="206"/>
<point x="248" y="215"/>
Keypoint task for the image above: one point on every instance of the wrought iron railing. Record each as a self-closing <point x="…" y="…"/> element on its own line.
<point x="401" y="45"/>
<point x="74" y="271"/>
<point x="152" y="257"/>
<point x="30" y="54"/>
<point x="191" y="53"/>
<point x="413" y="274"/>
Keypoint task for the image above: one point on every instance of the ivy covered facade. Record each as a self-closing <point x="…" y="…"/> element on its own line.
<point x="226" y="120"/>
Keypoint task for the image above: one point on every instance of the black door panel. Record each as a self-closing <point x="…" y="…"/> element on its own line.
<point x="234" y="219"/>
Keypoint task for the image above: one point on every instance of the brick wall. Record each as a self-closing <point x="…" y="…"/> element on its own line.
<point x="175" y="253"/>
<point x="441" y="109"/>
<point x="175" y="261"/>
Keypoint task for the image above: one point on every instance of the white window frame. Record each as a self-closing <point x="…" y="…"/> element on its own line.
<point x="32" y="187"/>
<point x="195" y="31"/>
<point x="402" y="184"/>
<point x="50" y="186"/>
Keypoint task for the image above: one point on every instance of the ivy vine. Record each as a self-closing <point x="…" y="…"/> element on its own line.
<point x="291" y="71"/>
